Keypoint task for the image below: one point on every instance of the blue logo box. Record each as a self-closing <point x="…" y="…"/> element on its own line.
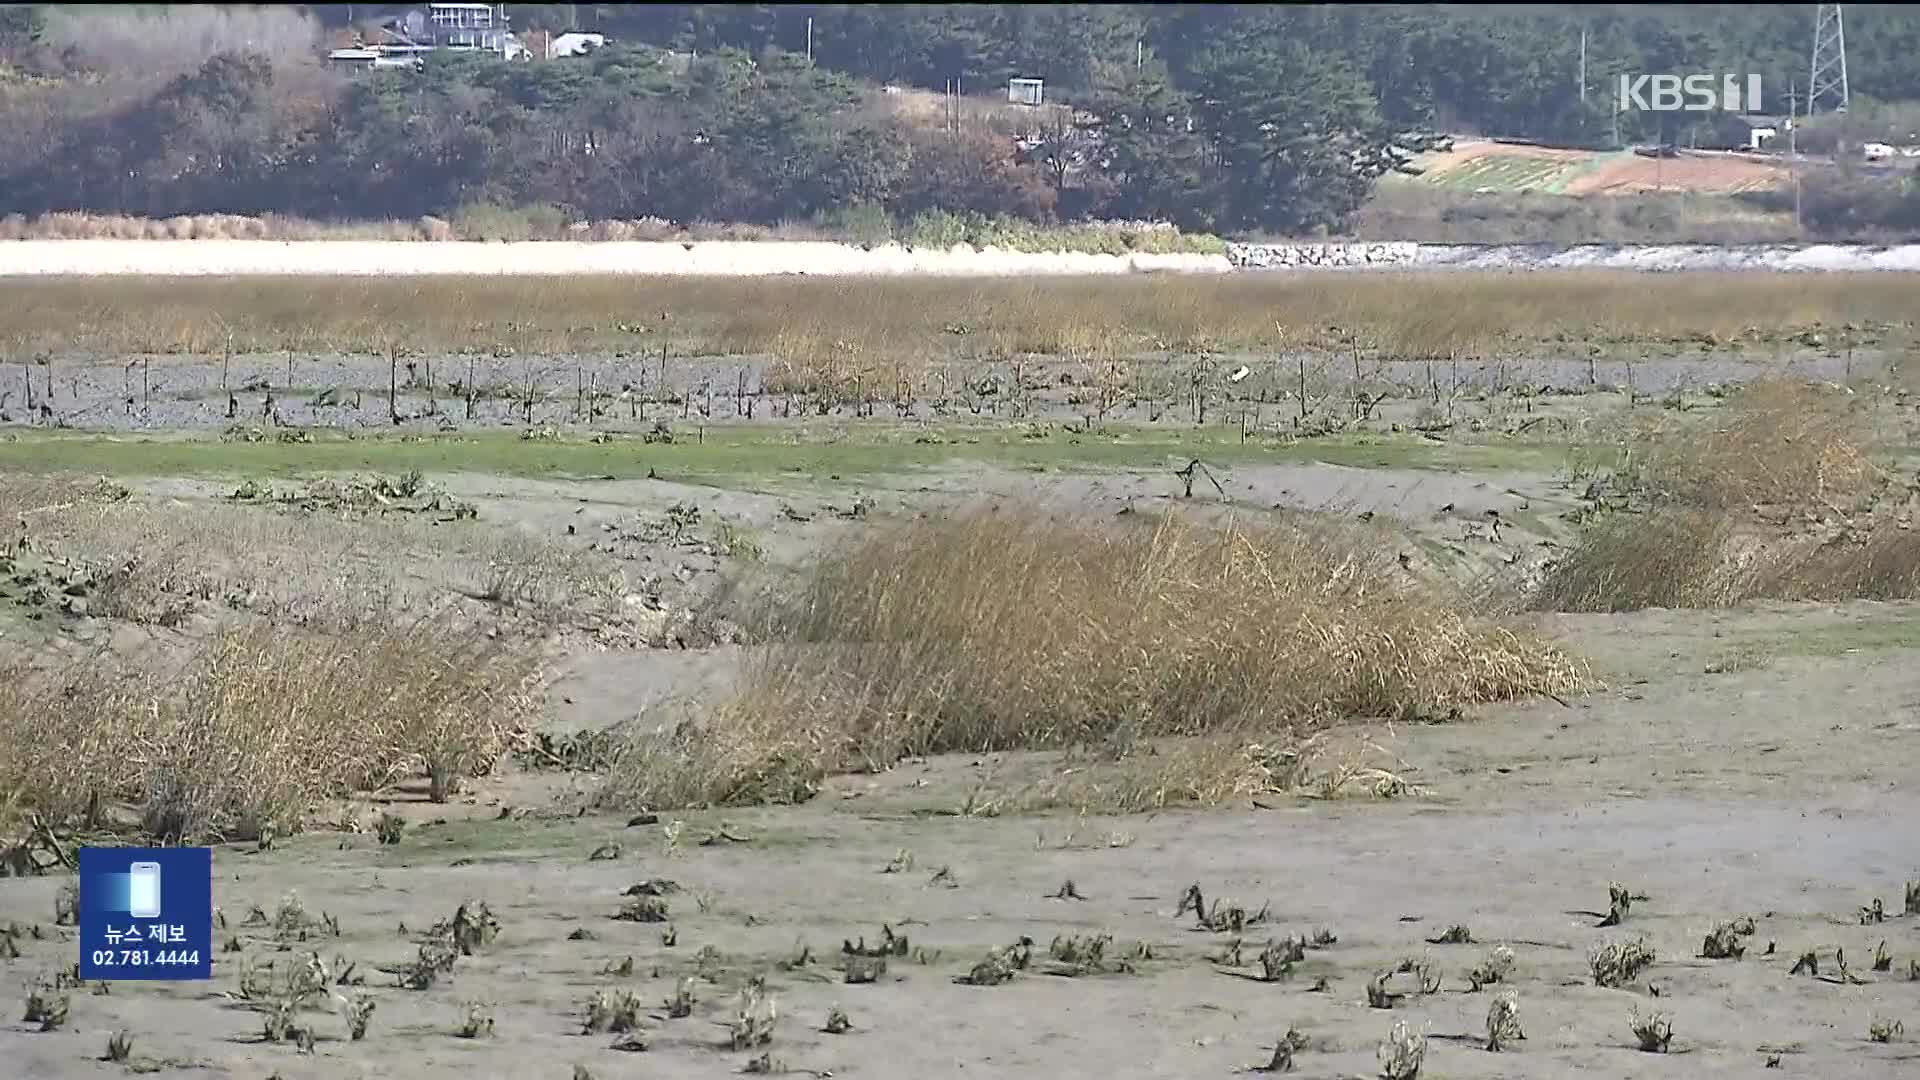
<point x="146" y="913"/>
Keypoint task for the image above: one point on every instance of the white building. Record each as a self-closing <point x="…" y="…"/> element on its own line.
<point x="574" y="43"/>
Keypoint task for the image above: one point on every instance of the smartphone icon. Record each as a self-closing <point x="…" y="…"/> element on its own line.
<point x="143" y="890"/>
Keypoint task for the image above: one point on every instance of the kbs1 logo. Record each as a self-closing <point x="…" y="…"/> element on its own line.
<point x="1692" y="93"/>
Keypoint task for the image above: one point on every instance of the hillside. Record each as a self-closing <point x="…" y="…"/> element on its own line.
<point x="1234" y="120"/>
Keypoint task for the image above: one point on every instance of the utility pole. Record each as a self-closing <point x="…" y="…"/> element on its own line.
<point x="1793" y="147"/>
<point x="809" y="39"/>
<point x="1583" y="70"/>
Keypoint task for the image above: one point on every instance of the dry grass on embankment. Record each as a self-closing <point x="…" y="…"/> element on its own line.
<point x="1771" y="499"/>
<point x="1012" y="630"/>
<point x="881" y="322"/>
<point x="260" y="723"/>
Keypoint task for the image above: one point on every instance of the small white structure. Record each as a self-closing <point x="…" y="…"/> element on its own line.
<point x="1876" y="151"/>
<point x="1025" y="91"/>
<point x="574" y="43"/>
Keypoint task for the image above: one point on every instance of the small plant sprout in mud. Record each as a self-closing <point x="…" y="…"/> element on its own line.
<point x="902" y="862"/>
<point x="473" y="927"/>
<point x="120" y="1047"/>
<point x="1495" y="968"/>
<point x="1654" y="1030"/>
<point x="1615" y="964"/>
<point x="1067" y="891"/>
<point x="477" y="1022"/>
<point x="604" y="853"/>
<point x="1381" y="996"/>
<point x="753" y="1020"/>
<point x="891" y="944"/>
<point x="390" y="828"/>
<point x="680" y="1005"/>
<point x="707" y="963"/>
<point x="1503" y="1021"/>
<point x="359" y="1014"/>
<point x="1278" y="958"/>
<point x="1453" y="935"/>
<point x="1873" y="913"/>
<point x="1282" y="1061"/>
<point x="434" y="960"/>
<point x="864" y="969"/>
<point x="1225" y="917"/>
<point x="1403" y="1052"/>
<point x="642" y="909"/>
<point x="1727" y="941"/>
<point x="290" y="916"/>
<point x="1000" y="965"/>
<point x="1882" y="959"/>
<point x="1884" y="1030"/>
<point x="1912" y="906"/>
<point x="47" y="1006"/>
<point x="944" y="877"/>
<point x="838" y="1022"/>
<point x="633" y="1043"/>
<point x="1843" y="974"/>
<point x="1619" y="903"/>
<point x="612" y="1010"/>
<point x="1378" y="996"/>
<point x="801" y="957"/>
<point x="1073" y="955"/>
<point x="1323" y="938"/>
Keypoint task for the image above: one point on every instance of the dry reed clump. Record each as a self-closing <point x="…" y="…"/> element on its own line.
<point x="259" y="724"/>
<point x="1727" y="507"/>
<point x="1007" y="629"/>
<point x="1393" y="315"/>
<point x="1781" y="443"/>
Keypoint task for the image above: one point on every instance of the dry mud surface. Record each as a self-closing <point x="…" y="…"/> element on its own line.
<point x="1775" y="793"/>
<point x="1756" y="762"/>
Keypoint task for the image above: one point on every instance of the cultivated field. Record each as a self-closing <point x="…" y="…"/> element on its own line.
<point x="606" y="677"/>
<point x="1480" y="165"/>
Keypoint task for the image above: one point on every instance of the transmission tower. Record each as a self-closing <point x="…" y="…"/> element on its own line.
<point x="1828" y="87"/>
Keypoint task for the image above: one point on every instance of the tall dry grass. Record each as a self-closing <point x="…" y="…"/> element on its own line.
<point x="1780" y="442"/>
<point x="1774" y="498"/>
<point x="1418" y="211"/>
<point x="258" y="725"/>
<point x="918" y="320"/>
<point x="1009" y="629"/>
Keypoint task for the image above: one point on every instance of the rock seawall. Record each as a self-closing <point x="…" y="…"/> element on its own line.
<point x="1649" y="258"/>
<point x="1328" y="256"/>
